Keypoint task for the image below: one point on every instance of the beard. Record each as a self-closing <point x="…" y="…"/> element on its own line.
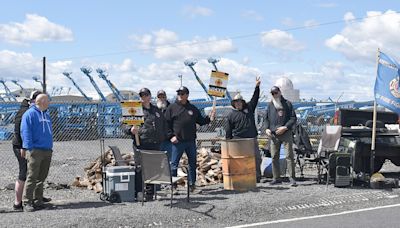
<point x="277" y="102"/>
<point x="161" y="104"/>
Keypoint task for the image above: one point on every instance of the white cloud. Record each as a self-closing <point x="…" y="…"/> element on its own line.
<point x="195" y="11"/>
<point x="252" y="15"/>
<point x="164" y="44"/>
<point x="34" y="28"/>
<point x="330" y="81"/>
<point x="281" y="40"/>
<point x="23" y="66"/>
<point x="359" y="41"/>
<point x="348" y="16"/>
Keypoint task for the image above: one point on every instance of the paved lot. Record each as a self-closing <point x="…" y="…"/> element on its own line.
<point x="215" y="207"/>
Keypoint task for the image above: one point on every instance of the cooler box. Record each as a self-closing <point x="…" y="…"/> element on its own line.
<point x="121" y="179"/>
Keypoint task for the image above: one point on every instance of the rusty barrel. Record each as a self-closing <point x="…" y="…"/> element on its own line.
<point x="238" y="164"/>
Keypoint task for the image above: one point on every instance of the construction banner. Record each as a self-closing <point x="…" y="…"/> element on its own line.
<point x="132" y="113"/>
<point x="218" y="83"/>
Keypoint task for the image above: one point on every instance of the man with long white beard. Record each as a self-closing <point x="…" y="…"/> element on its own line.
<point x="162" y="102"/>
<point x="280" y="120"/>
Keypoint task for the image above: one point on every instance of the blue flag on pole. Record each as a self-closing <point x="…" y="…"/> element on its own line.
<point x="387" y="91"/>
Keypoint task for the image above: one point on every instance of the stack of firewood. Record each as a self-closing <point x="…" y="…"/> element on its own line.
<point x="92" y="179"/>
<point x="209" y="168"/>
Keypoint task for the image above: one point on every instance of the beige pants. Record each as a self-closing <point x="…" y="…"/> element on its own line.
<point x="38" y="168"/>
<point x="276" y="141"/>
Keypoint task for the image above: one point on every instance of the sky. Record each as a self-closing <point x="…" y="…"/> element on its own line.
<point x="326" y="48"/>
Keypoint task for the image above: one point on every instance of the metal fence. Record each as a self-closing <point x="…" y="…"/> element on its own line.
<point x="78" y="128"/>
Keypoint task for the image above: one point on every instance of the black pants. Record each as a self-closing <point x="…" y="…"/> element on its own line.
<point x="149" y="191"/>
<point x="21" y="163"/>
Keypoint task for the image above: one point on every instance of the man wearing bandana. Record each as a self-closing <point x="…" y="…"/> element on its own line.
<point x="280" y="120"/>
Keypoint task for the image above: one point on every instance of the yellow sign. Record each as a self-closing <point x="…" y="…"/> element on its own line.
<point x="218" y="83"/>
<point x="132" y="112"/>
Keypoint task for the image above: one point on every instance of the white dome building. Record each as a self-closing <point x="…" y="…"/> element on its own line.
<point x="287" y="89"/>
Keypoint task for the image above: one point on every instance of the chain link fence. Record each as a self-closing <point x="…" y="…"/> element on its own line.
<point x="79" y="126"/>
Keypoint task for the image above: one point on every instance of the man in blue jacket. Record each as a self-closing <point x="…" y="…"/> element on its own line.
<point x="37" y="139"/>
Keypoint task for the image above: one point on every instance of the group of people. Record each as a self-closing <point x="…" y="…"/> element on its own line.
<point x="167" y="127"/>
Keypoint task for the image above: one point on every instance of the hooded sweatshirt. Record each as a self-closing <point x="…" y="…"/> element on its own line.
<point x="17" y="140"/>
<point x="36" y="129"/>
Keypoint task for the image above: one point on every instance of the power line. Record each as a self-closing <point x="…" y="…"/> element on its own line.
<point x="237" y="37"/>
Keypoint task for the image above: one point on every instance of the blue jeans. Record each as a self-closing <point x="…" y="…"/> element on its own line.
<point x="166" y="146"/>
<point x="177" y="150"/>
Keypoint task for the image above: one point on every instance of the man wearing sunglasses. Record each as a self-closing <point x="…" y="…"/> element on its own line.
<point x="151" y="134"/>
<point x="182" y="118"/>
<point x="280" y="120"/>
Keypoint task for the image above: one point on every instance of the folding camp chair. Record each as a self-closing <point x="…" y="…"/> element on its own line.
<point x="156" y="170"/>
<point x="328" y="144"/>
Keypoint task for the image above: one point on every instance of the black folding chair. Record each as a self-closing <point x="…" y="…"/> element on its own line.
<point x="156" y="170"/>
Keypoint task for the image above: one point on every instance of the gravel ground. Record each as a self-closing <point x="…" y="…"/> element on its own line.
<point x="214" y="207"/>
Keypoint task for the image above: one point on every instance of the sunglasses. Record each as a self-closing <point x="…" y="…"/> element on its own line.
<point x="181" y="93"/>
<point x="162" y="96"/>
<point x="273" y="93"/>
<point x="144" y="94"/>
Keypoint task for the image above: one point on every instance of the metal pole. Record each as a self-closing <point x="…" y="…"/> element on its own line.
<point x="44" y="74"/>
<point x="372" y="159"/>
<point x="180" y="76"/>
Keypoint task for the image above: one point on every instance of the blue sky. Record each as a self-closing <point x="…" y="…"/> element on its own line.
<point x="325" y="47"/>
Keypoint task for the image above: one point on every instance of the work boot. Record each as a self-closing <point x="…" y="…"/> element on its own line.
<point x="28" y="207"/>
<point x="292" y="182"/>
<point x="275" y="182"/>
<point x="18" y="207"/>
<point x="194" y="190"/>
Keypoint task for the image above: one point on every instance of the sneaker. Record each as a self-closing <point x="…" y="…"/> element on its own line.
<point x="46" y="200"/>
<point x="292" y="182"/>
<point x="275" y="182"/>
<point x="29" y="207"/>
<point x="39" y="206"/>
<point x="18" y="207"/>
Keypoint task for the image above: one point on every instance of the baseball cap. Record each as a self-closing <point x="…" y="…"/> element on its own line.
<point x="275" y="89"/>
<point x="183" y="89"/>
<point x="144" y="91"/>
<point x="34" y="94"/>
<point x="161" y="92"/>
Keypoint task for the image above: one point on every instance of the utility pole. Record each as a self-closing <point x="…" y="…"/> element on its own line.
<point x="180" y="77"/>
<point x="44" y="74"/>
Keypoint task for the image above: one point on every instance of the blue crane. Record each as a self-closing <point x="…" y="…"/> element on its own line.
<point x="19" y="85"/>
<point x="213" y="61"/>
<point x="115" y="91"/>
<point x="87" y="71"/>
<point x="9" y="94"/>
<point x="190" y="64"/>
<point x="68" y="75"/>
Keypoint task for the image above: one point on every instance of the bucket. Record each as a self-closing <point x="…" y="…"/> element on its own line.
<point x="238" y="164"/>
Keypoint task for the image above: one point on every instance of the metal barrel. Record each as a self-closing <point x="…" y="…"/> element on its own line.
<point x="238" y="164"/>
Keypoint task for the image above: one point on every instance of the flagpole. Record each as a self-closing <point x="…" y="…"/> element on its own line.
<point x="372" y="159"/>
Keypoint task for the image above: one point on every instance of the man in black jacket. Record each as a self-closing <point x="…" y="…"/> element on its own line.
<point x="241" y="122"/>
<point x="151" y="134"/>
<point x="17" y="148"/>
<point x="162" y="104"/>
<point x="182" y="117"/>
<point x="280" y="120"/>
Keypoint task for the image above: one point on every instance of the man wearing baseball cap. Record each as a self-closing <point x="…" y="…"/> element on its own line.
<point x="280" y="120"/>
<point x="182" y="118"/>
